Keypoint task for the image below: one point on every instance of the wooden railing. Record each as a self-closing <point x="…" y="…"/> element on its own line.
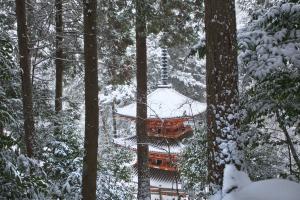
<point x="167" y="192"/>
<point x="163" y="161"/>
<point x="163" y="167"/>
<point x="169" y="132"/>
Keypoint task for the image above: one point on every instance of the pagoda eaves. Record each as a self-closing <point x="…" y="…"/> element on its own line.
<point x="166" y="103"/>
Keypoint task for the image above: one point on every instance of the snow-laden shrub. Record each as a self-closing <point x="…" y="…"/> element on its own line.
<point x="193" y="171"/>
<point x="114" y="174"/>
<point x="20" y="177"/>
<point x="63" y="157"/>
<point x="269" y="60"/>
<point x="270" y="43"/>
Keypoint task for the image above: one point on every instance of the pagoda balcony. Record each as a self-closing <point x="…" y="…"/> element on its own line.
<point x="163" y="161"/>
<point x="169" y="132"/>
<point x="163" y="167"/>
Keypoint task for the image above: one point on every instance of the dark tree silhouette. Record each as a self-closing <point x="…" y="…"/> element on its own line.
<point x="89" y="175"/>
<point x="59" y="55"/>
<point x="141" y="115"/>
<point x="222" y="88"/>
<point x="25" y="64"/>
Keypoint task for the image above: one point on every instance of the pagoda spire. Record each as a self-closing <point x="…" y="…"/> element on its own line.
<point x="164" y="70"/>
<point x="164" y="75"/>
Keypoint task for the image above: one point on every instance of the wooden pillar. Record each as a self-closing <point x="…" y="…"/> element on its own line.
<point x="160" y="193"/>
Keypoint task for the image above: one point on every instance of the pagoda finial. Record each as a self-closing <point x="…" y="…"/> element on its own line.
<point x="164" y="69"/>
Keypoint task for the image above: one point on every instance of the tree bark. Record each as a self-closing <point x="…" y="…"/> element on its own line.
<point x="1" y="129"/>
<point x="222" y="89"/>
<point x="141" y="112"/>
<point x="32" y="32"/>
<point x="59" y="56"/>
<point x="89" y="175"/>
<point x="24" y="55"/>
<point x="114" y="121"/>
<point x="59" y="64"/>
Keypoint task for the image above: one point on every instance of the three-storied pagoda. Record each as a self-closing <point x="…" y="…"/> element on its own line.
<point x="168" y="117"/>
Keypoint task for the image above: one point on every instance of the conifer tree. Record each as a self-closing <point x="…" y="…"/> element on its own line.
<point x="59" y="56"/>
<point x="141" y="115"/>
<point x="89" y="175"/>
<point x="222" y="88"/>
<point x="24" y="56"/>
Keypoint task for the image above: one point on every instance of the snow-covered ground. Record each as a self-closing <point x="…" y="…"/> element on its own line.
<point x="237" y="186"/>
<point x="273" y="189"/>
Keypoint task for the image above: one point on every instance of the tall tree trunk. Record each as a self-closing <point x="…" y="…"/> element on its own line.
<point x="1" y="129"/>
<point x="25" y="74"/>
<point x="59" y="60"/>
<point x="59" y="56"/>
<point x="114" y="121"/>
<point x="141" y="112"/>
<point x="89" y="175"/>
<point x="32" y="33"/>
<point x="222" y="89"/>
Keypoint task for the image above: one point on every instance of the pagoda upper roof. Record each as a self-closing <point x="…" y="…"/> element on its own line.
<point x="165" y="103"/>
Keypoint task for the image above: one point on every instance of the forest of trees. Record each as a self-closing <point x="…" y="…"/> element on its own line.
<point x="65" y="66"/>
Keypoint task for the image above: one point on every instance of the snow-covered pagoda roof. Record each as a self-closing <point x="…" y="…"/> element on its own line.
<point x="161" y="179"/>
<point x="164" y="103"/>
<point x="155" y="145"/>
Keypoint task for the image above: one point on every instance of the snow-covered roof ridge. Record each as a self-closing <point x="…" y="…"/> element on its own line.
<point x="165" y="102"/>
<point x="130" y="142"/>
<point x="162" y="179"/>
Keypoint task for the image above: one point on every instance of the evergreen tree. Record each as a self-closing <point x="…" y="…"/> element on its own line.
<point x="21" y="177"/>
<point x="141" y="99"/>
<point x="25" y="64"/>
<point x="89" y="172"/>
<point x="59" y="56"/>
<point x="9" y="82"/>
<point x="222" y="89"/>
<point x="192" y="170"/>
<point x="114" y="177"/>
<point x="269" y="59"/>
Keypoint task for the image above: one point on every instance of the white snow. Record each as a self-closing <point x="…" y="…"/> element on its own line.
<point x="237" y="186"/>
<point x="161" y="183"/>
<point x="273" y="189"/>
<point x="286" y="7"/>
<point x="234" y="179"/>
<point x="166" y="103"/>
<point x="161" y="149"/>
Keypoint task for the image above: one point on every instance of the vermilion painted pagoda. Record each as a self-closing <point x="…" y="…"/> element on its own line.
<point x="169" y="114"/>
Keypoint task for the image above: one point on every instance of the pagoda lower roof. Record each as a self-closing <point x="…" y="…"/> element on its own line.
<point x="165" y="103"/>
<point x="160" y="145"/>
<point x="161" y="178"/>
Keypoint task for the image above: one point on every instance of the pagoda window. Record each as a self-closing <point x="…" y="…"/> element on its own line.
<point x="159" y="162"/>
<point x="152" y="161"/>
